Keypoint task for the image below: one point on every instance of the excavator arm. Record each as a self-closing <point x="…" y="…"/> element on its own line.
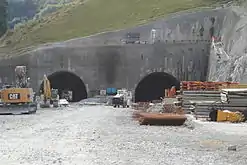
<point x="46" y="88"/>
<point x="49" y="96"/>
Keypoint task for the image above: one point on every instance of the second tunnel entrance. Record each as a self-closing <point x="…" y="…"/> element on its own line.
<point x="153" y="86"/>
<point x="67" y="81"/>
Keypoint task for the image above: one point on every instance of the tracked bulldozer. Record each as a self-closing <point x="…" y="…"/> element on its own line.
<point x="18" y="99"/>
<point x="49" y="97"/>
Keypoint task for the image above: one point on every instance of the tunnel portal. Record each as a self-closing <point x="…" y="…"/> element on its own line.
<point x="153" y="86"/>
<point x="64" y="80"/>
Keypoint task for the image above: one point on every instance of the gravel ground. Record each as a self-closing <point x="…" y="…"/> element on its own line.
<point x="103" y="135"/>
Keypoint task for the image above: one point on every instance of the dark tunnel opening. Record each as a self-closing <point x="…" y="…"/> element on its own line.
<point x="67" y="81"/>
<point x="153" y="86"/>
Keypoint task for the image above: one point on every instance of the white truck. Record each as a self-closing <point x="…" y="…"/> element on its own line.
<point x="122" y="98"/>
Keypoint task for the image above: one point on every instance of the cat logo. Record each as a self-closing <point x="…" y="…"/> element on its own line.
<point x="14" y="96"/>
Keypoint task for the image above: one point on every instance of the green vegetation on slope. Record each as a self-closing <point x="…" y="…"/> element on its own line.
<point x="93" y="16"/>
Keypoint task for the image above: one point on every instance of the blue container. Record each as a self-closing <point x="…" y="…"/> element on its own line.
<point x="111" y="91"/>
<point x="108" y="91"/>
<point x="114" y="90"/>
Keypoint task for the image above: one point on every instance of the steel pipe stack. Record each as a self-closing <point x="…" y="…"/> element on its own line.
<point x="199" y="102"/>
<point x="202" y="100"/>
<point x="164" y="119"/>
<point x="236" y="97"/>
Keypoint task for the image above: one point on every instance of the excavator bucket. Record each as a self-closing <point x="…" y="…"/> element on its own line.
<point x="45" y="104"/>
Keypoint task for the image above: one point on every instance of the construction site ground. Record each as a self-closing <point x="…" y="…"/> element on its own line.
<point x="92" y="135"/>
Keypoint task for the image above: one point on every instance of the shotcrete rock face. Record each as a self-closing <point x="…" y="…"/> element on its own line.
<point x="63" y="80"/>
<point x="110" y="68"/>
<point x="108" y="61"/>
<point x="228" y="58"/>
<point x="153" y="86"/>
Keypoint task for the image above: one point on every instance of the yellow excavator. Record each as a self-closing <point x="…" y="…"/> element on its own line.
<point x="227" y="116"/>
<point x="49" y="96"/>
<point x="19" y="98"/>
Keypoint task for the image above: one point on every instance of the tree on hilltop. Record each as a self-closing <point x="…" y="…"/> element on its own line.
<point x="3" y="16"/>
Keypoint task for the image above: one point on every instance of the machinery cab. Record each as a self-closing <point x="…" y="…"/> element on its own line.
<point x="54" y="97"/>
<point x="54" y="94"/>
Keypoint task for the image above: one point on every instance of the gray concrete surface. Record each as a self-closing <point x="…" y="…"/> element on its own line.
<point x="103" y="135"/>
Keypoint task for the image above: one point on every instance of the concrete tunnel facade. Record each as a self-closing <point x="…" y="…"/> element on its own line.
<point x="97" y="68"/>
<point x="97" y="63"/>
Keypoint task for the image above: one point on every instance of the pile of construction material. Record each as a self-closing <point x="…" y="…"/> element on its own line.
<point x="155" y="107"/>
<point x="235" y="97"/>
<point x="200" y="102"/>
<point x="201" y="98"/>
<point x="166" y="112"/>
<point x="141" y="106"/>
